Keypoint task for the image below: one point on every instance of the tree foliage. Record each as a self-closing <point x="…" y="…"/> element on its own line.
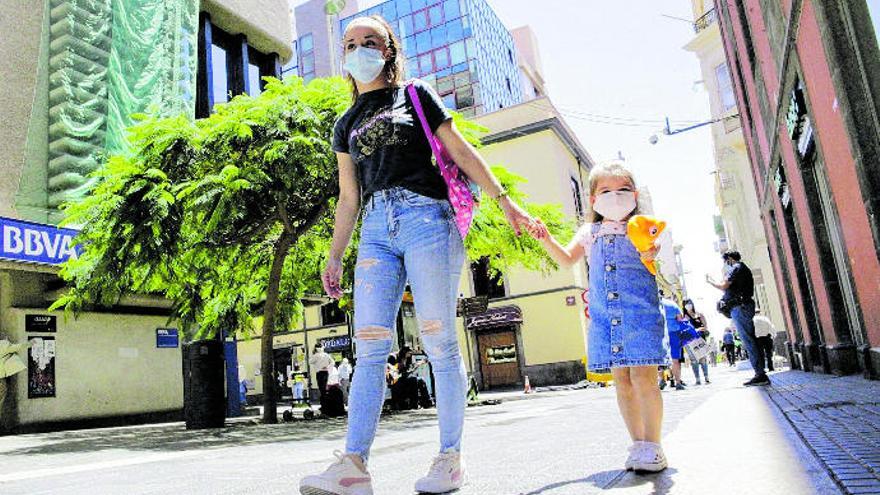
<point x="230" y="217"/>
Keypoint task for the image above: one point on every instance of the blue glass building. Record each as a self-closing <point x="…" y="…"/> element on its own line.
<point x="458" y="46"/>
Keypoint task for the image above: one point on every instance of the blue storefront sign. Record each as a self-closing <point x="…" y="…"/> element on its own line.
<point x="36" y="243"/>
<point x="336" y="344"/>
<point x="167" y="338"/>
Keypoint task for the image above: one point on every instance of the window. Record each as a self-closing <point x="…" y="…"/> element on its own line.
<point x="449" y="101"/>
<point x="419" y="4"/>
<point x="510" y="55"/>
<point x="404" y="7"/>
<point x="725" y="87"/>
<point x="219" y="82"/>
<point x="254" y="82"/>
<point x="576" y="193"/>
<point x="420" y="20"/>
<point x="451" y="9"/>
<point x="509" y="88"/>
<point x="389" y="11"/>
<point x="423" y="42"/>
<point x="438" y="36"/>
<point x="464" y="97"/>
<point x="441" y="58"/>
<point x="486" y="284"/>
<point x="425" y="65"/>
<point x="331" y="314"/>
<point x="457" y="54"/>
<point x="454" y="31"/>
<point x="307" y="43"/>
<point x="406" y="26"/>
<point x="227" y="67"/>
<point x="435" y="14"/>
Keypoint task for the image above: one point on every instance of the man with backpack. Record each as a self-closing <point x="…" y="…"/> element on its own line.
<point x="739" y="290"/>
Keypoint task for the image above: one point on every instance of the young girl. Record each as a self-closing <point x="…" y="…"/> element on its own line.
<point x="626" y="325"/>
<point x="408" y="235"/>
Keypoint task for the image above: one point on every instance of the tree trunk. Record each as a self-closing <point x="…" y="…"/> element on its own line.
<point x="270" y="389"/>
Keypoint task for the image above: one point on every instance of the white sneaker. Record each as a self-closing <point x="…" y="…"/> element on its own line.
<point x="635" y="450"/>
<point x="652" y="460"/>
<point x="446" y="474"/>
<point x="346" y="476"/>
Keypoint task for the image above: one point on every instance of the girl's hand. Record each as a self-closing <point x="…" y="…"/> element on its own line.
<point x="651" y="254"/>
<point x="539" y="231"/>
<point x="331" y="277"/>
<point x="516" y="216"/>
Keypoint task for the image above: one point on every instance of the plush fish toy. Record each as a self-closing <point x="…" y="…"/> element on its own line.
<point x="643" y="231"/>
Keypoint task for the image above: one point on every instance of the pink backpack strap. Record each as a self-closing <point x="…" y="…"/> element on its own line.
<point x="417" y="104"/>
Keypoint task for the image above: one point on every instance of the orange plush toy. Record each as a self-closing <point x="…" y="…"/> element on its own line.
<point x="643" y="231"/>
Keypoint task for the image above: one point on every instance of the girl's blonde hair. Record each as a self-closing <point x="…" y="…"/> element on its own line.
<point x="394" y="66"/>
<point x="613" y="168"/>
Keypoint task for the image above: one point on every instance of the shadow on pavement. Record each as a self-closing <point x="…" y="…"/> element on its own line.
<point x="175" y="437"/>
<point x="616" y="478"/>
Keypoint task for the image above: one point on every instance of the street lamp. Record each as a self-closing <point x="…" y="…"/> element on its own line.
<point x="668" y="131"/>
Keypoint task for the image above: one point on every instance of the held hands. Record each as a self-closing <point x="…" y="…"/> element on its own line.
<point x="516" y="216"/>
<point x="331" y="278"/>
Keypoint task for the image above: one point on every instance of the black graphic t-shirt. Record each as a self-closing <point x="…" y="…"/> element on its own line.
<point x="384" y="137"/>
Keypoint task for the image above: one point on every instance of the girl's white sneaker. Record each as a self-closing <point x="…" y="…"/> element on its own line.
<point x="651" y="460"/>
<point x="346" y="476"/>
<point x="446" y="474"/>
<point x="635" y="450"/>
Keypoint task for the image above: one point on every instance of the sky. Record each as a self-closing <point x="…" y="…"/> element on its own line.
<point x="626" y="60"/>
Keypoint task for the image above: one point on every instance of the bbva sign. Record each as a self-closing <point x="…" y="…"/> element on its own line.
<point x="36" y="243"/>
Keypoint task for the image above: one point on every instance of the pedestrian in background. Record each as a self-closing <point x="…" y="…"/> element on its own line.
<point x="680" y="332"/>
<point x="409" y="233"/>
<point x="729" y="344"/>
<point x="739" y="290"/>
<point x="345" y="378"/>
<point x="698" y="321"/>
<point x="320" y="363"/>
<point x="764" y="333"/>
<point x="626" y="325"/>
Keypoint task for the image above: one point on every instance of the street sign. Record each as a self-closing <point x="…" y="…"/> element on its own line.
<point x="167" y="338"/>
<point x="39" y="323"/>
<point x="471" y="305"/>
<point x="36" y="243"/>
<point x="336" y="344"/>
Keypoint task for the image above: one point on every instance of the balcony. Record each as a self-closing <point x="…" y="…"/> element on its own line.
<point x="705" y="21"/>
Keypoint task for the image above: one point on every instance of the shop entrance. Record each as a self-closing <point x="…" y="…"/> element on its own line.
<point x="499" y="364"/>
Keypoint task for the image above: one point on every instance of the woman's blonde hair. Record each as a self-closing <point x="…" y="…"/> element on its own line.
<point x="394" y="66"/>
<point x="613" y="168"/>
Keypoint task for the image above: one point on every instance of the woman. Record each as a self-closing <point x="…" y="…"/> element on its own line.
<point x="699" y="323"/>
<point x="408" y="234"/>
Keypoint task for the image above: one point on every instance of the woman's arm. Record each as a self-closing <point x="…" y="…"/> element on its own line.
<point x="467" y="158"/>
<point x="347" y="208"/>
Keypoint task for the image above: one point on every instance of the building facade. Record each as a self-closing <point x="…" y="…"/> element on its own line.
<point x="740" y="227"/>
<point x="459" y="46"/>
<point x="806" y="81"/>
<point x="77" y="73"/>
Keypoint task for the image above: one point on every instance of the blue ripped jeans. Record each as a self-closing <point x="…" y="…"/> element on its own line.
<point x="406" y="237"/>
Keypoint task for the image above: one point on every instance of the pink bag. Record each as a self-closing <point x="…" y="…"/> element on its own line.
<point x="457" y="183"/>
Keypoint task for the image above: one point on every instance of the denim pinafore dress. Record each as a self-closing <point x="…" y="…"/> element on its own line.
<point x="626" y="325"/>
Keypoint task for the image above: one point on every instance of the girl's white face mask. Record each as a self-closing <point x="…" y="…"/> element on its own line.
<point x="615" y="205"/>
<point x="364" y="64"/>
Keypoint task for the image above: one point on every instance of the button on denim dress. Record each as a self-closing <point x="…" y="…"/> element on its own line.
<point x="626" y="326"/>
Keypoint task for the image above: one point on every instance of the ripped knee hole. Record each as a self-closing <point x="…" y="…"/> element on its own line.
<point x="431" y="327"/>
<point x="373" y="333"/>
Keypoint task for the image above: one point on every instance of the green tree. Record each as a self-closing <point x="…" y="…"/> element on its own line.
<point x="230" y="217"/>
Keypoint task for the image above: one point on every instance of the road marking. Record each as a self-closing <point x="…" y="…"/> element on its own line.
<point x="94" y="466"/>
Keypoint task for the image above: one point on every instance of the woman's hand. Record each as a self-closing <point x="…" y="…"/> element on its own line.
<point x="540" y="230"/>
<point x="331" y="277"/>
<point x="516" y="216"/>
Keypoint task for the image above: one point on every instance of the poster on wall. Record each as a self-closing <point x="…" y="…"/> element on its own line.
<point x="41" y="367"/>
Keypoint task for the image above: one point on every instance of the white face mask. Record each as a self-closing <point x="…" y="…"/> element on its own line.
<point x="615" y="205"/>
<point x="364" y="64"/>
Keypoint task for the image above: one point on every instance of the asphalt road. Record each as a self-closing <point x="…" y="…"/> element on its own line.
<point x="551" y="443"/>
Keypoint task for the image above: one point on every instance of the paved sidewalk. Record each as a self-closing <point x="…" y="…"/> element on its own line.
<point x="839" y="419"/>
<point x="735" y="442"/>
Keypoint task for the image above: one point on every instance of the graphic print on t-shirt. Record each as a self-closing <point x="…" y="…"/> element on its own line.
<point x="380" y="128"/>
